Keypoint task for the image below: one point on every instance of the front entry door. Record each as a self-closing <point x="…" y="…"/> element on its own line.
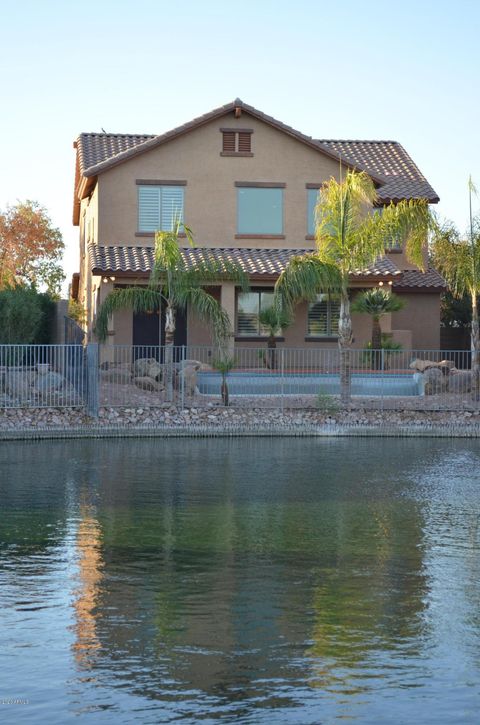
<point x="146" y="334"/>
<point x="149" y="333"/>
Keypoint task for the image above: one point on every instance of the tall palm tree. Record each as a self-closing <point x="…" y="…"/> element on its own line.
<point x="174" y="285"/>
<point x="458" y="259"/>
<point x="349" y="238"/>
<point x="377" y="302"/>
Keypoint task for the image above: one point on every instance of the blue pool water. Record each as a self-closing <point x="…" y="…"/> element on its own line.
<point x="252" y="383"/>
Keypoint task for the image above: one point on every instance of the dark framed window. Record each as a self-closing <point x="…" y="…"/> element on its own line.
<point x="259" y="210"/>
<point x="312" y="199"/>
<point x="249" y="306"/>
<point x="323" y="315"/>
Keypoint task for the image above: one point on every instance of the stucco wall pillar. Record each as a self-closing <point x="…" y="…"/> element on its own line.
<point x="107" y="351"/>
<point x="227" y="299"/>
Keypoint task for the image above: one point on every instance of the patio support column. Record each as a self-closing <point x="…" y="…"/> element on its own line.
<point x="106" y="352"/>
<point x="227" y="298"/>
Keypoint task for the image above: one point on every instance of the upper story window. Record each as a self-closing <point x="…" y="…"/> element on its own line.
<point x="323" y="316"/>
<point x="259" y="209"/>
<point x="236" y="141"/>
<point x="312" y="199"/>
<point x="160" y="206"/>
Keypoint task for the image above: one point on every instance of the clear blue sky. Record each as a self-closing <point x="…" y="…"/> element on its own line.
<point x="407" y="71"/>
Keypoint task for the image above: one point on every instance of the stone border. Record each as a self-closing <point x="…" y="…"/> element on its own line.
<point x="324" y="431"/>
<point x="217" y="421"/>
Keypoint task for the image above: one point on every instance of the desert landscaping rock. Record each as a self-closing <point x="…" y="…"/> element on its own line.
<point x="217" y="418"/>
<point x="147" y="383"/>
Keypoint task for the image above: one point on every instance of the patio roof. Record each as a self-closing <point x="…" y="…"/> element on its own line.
<point x="267" y="264"/>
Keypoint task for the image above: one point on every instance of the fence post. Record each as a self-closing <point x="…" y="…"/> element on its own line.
<point x="383" y="378"/>
<point x="282" y="368"/>
<point x="183" y="377"/>
<point x="92" y="379"/>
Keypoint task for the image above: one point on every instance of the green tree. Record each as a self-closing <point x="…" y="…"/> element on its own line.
<point x="31" y="248"/>
<point x="377" y="302"/>
<point x="350" y="238"/>
<point x="457" y="257"/>
<point x="174" y="285"/>
<point x="25" y="316"/>
<point x="274" y="319"/>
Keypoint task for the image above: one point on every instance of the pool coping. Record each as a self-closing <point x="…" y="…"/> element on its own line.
<point x="294" y="431"/>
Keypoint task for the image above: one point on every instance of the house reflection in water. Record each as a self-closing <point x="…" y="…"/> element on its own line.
<point x="90" y="565"/>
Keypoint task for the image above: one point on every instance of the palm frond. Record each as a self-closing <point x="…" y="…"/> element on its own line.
<point x="306" y="276"/>
<point x="409" y="221"/>
<point x="208" y="310"/>
<point x="275" y="318"/>
<point x="377" y="302"/>
<point x="457" y="259"/>
<point x="138" y="299"/>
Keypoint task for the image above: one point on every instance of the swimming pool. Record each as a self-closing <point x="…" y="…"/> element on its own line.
<point x="269" y="383"/>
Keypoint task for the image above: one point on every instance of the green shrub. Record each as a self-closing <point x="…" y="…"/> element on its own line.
<point x="25" y="316"/>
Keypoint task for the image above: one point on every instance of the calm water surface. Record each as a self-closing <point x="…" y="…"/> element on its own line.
<point x="250" y="581"/>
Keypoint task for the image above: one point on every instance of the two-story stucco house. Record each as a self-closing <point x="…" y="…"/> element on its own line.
<point x="247" y="185"/>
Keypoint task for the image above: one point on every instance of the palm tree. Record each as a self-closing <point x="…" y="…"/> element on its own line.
<point x="175" y="285"/>
<point x="349" y="238"/>
<point x="224" y="363"/>
<point x="377" y="302"/>
<point x="275" y="319"/>
<point x="458" y="259"/>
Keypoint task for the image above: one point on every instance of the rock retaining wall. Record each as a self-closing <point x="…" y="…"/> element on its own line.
<point x="217" y="418"/>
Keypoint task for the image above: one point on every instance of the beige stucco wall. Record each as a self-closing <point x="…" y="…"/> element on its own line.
<point x="211" y="211"/>
<point x="421" y="315"/>
<point x="210" y="193"/>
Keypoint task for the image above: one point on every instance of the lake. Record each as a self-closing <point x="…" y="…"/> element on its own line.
<point x="248" y="581"/>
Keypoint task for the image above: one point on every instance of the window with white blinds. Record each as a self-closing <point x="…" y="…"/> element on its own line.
<point x="249" y="306"/>
<point x="159" y="207"/>
<point x="323" y="315"/>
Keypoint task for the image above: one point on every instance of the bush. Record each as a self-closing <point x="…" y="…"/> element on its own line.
<point x="25" y="316"/>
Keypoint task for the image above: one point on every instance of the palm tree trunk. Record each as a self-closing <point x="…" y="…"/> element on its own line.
<point x="271" y="354"/>
<point x="224" y="391"/>
<point x="169" y="342"/>
<point x="376" y="343"/>
<point x="344" y="343"/>
<point x="475" y="348"/>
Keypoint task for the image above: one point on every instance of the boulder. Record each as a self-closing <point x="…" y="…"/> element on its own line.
<point x="155" y="371"/>
<point x="48" y="383"/>
<point x="422" y="365"/>
<point x="460" y="381"/>
<point x="142" y="365"/>
<point x="120" y="376"/>
<point x="18" y="384"/>
<point x="434" y="381"/>
<point x="146" y="383"/>
<point x="187" y="376"/>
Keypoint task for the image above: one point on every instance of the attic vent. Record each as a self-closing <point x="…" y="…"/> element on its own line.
<point x="236" y="142"/>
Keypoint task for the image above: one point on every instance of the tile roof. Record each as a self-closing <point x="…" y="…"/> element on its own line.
<point x="256" y="262"/>
<point x="387" y="159"/>
<point x="412" y="278"/>
<point x="95" y="148"/>
<point x="386" y="162"/>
